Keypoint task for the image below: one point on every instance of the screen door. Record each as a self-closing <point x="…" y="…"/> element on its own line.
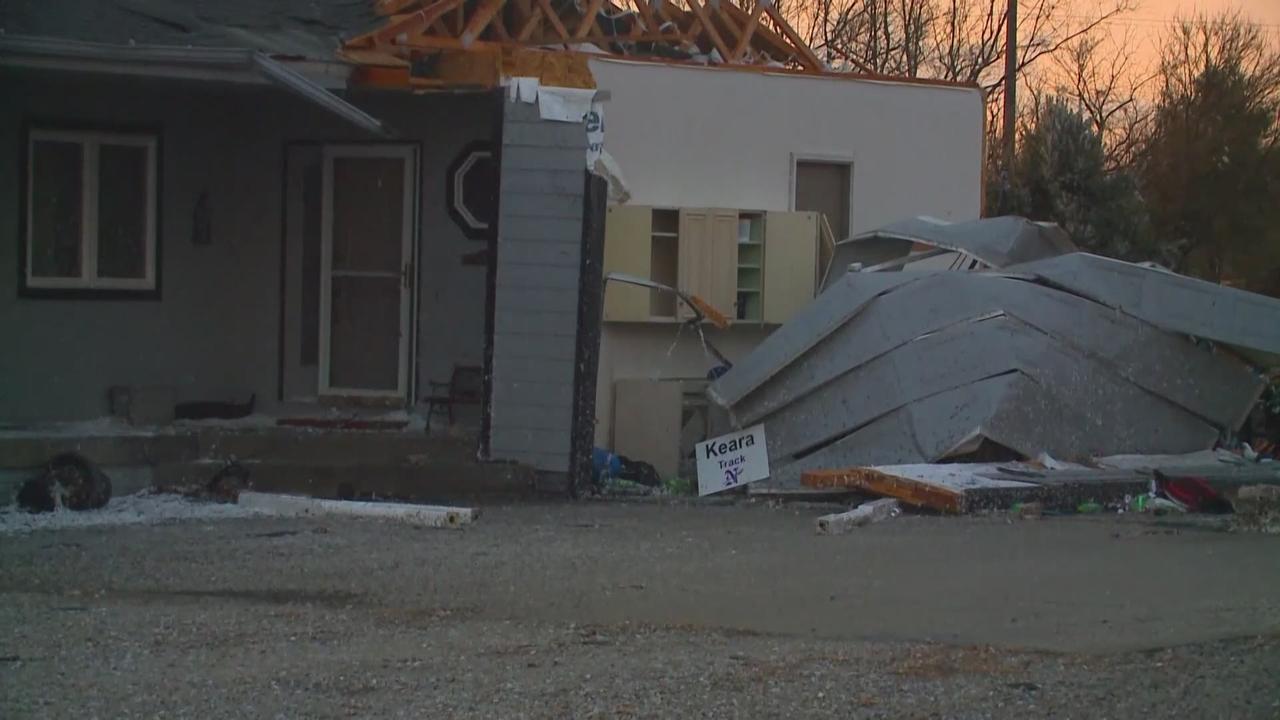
<point x="367" y="272"/>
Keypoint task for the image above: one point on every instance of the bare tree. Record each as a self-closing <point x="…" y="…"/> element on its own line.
<point x="1103" y="79"/>
<point x="959" y="40"/>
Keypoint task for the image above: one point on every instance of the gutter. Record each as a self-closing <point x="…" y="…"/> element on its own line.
<point x="233" y="65"/>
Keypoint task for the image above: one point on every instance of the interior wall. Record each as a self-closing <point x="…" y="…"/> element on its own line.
<point x="660" y="351"/>
<point x="698" y="137"/>
<point x="215" y="331"/>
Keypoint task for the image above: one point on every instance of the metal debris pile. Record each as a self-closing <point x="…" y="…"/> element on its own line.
<point x="1040" y="351"/>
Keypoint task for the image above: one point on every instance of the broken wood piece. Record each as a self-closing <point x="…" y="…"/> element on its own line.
<point x="883" y="481"/>
<point x="426" y="515"/>
<point x="588" y="21"/>
<point x="864" y="514"/>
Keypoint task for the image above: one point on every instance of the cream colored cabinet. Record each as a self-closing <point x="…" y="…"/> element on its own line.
<point x="755" y="267"/>
<point x="627" y="250"/>
<point x="708" y="257"/>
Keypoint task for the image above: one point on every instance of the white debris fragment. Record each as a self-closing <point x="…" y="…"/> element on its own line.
<point x="428" y="515"/>
<point x="864" y="514"/>
<point x="141" y="509"/>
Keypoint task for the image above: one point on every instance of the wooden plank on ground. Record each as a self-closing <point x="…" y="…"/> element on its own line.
<point x="877" y="482"/>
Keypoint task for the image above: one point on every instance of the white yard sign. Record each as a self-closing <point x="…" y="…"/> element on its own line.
<point x="732" y="460"/>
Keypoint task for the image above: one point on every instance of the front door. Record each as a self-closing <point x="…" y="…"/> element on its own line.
<point x="366" y="270"/>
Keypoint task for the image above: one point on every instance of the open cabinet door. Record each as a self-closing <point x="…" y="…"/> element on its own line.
<point x="790" y="263"/>
<point x="627" y="250"/>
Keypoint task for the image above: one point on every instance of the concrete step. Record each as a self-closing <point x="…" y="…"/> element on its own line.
<point x="24" y="451"/>
<point x="289" y="445"/>
<point x="432" y="482"/>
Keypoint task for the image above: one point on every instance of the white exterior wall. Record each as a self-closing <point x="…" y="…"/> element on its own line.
<point x="699" y="137"/>
<point x="690" y="136"/>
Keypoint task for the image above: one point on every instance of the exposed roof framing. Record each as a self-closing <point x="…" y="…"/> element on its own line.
<point x="730" y="32"/>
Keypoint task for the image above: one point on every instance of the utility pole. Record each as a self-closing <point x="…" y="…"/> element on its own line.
<point x="1010" y="86"/>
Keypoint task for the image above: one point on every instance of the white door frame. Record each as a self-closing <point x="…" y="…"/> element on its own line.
<point x="408" y="272"/>
<point x="829" y="159"/>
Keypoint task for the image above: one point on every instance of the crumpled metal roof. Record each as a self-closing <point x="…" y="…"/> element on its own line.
<point x="1076" y="356"/>
<point x="301" y="28"/>
<point x="996" y="242"/>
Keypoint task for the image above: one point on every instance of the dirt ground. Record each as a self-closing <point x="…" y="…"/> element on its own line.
<point x="641" y="610"/>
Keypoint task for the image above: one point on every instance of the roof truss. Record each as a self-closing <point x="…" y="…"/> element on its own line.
<point x="728" y="32"/>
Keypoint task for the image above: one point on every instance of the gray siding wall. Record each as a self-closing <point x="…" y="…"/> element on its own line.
<point x="215" y="331"/>
<point x="536" y="292"/>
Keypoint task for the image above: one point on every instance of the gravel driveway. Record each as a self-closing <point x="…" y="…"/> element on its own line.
<point x="641" y="610"/>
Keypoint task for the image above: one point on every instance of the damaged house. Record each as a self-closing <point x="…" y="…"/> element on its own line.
<point x="310" y="210"/>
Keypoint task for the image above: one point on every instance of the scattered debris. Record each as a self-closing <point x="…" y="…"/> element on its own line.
<point x="68" y="481"/>
<point x="1170" y="482"/>
<point x="1190" y="494"/>
<point x="427" y="515"/>
<point x="865" y="514"/>
<point x="1029" y="511"/>
<point x="227" y="484"/>
<point x="1257" y="508"/>
<point x="606" y="465"/>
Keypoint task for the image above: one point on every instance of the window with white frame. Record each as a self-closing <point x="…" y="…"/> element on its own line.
<point x="90" y="211"/>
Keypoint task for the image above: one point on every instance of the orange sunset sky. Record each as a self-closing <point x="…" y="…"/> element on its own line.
<point x="1148" y="21"/>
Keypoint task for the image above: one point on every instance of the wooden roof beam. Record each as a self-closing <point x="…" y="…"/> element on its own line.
<point x="480" y="20"/>
<point x="646" y="12"/>
<point x="530" y="26"/>
<point x="775" y="42"/>
<point x="748" y="30"/>
<point x="807" y="57"/>
<point x="393" y="7"/>
<point x="588" y="19"/>
<point x="411" y="24"/>
<point x="554" y="19"/>
<point x="710" y="27"/>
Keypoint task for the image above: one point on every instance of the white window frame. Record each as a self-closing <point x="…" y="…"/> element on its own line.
<point x="90" y="142"/>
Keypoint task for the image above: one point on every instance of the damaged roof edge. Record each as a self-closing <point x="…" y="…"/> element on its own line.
<point x="997" y="242"/>
<point x="237" y="65"/>
<point x="1178" y="303"/>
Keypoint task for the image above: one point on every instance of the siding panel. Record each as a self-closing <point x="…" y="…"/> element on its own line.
<point x="536" y="293"/>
